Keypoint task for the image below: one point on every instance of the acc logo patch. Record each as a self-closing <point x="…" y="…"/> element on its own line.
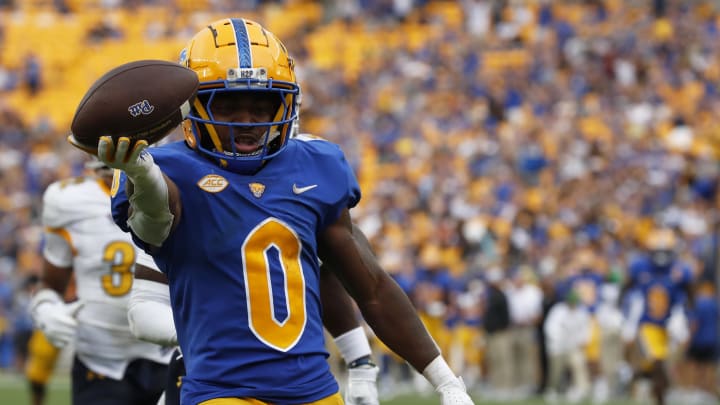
<point x="257" y="189"/>
<point x="213" y="183"/>
<point x="144" y="107"/>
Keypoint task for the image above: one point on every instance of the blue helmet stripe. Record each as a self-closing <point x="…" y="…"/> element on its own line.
<point x="242" y="40"/>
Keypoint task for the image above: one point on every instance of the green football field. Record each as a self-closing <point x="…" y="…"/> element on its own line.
<point x="13" y="391"/>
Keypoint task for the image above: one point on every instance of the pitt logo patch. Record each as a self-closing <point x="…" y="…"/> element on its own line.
<point x="144" y="107"/>
<point x="257" y="189"/>
<point x="213" y="183"/>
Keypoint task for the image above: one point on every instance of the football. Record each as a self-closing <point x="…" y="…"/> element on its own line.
<point x="144" y="99"/>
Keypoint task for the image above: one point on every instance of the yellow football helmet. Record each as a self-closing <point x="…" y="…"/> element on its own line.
<point x="239" y="55"/>
<point x="662" y="245"/>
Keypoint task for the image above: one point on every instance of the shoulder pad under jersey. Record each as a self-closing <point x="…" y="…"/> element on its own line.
<point x="71" y="200"/>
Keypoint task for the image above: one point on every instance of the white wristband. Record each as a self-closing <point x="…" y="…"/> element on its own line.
<point x="353" y="344"/>
<point x="439" y="373"/>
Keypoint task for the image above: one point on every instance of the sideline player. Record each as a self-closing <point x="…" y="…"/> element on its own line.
<point x="110" y="366"/>
<point x="237" y="217"/>
<point x="663" y="281"/>
<point x="42" y="357"/>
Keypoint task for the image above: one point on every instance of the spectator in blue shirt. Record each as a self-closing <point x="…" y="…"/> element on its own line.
<point x="703" y="351"/>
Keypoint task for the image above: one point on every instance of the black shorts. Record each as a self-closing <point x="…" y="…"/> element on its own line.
<point x="21" y="340"/>
<point x="703" y="354"/>
<point x="142" y="384"/>
<point x="176" y="372"/>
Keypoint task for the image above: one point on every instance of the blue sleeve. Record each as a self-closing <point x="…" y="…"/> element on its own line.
<point x="119" y="203"/>
<point x="346" y="192"/>
<point x="353" y="188"/>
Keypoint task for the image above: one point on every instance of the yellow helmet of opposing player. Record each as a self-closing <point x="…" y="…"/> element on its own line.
<point x="239" y="55"/>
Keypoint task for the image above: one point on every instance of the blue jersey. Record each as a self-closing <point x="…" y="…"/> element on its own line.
<point x="661" y="288"/>
<point x="705" y="317"/>
<point x="243" y="270"/>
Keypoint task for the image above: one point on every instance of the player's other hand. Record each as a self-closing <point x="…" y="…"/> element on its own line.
<point x="454" y="393"/>
<point x="55" y="318"/>
<point x="362" y="385"/>
<point x="120" y="155"/>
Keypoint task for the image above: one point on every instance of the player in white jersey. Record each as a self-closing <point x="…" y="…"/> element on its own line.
<point x="111" y="366"/>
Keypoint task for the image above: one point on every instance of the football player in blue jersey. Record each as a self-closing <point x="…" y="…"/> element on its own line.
<point x="664" y="283"/>
<point x="150" y="317"/>
<point x="239" y="218"/>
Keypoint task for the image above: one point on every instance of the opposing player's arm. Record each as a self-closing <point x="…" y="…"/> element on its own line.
<point x="385" y="306"/>
<point x="58" y="250"/>
<point x="48" y="309"/>
<point x="149" y="311"/>
<point x="55" y="277"/>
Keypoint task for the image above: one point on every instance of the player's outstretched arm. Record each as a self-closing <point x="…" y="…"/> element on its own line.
<point x="385" y="306"/>
<point x="340" y="320"/>
<point x="154" y="198"/>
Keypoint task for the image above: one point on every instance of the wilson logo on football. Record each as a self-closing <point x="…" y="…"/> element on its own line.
<point x="144" y="107"/>
<point x="213" y="183"/>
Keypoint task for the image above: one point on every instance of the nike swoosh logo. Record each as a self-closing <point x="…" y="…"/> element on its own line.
<point x="300" y="190"/>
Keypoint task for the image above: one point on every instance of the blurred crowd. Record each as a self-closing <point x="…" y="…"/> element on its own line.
<point x="502" y="147"/>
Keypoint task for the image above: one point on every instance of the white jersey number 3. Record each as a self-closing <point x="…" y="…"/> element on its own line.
<point x="120" y="255"/>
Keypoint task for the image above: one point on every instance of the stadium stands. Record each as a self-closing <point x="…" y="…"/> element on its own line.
<point x="509" y="134"/>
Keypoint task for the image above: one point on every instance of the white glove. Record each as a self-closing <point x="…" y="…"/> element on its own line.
<point x="451" y="388"/>
<point x="131" y="161"/>
<point x="454" y="393"/>
<point x="55" y="318"/>
<point x="362" y="385"/>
